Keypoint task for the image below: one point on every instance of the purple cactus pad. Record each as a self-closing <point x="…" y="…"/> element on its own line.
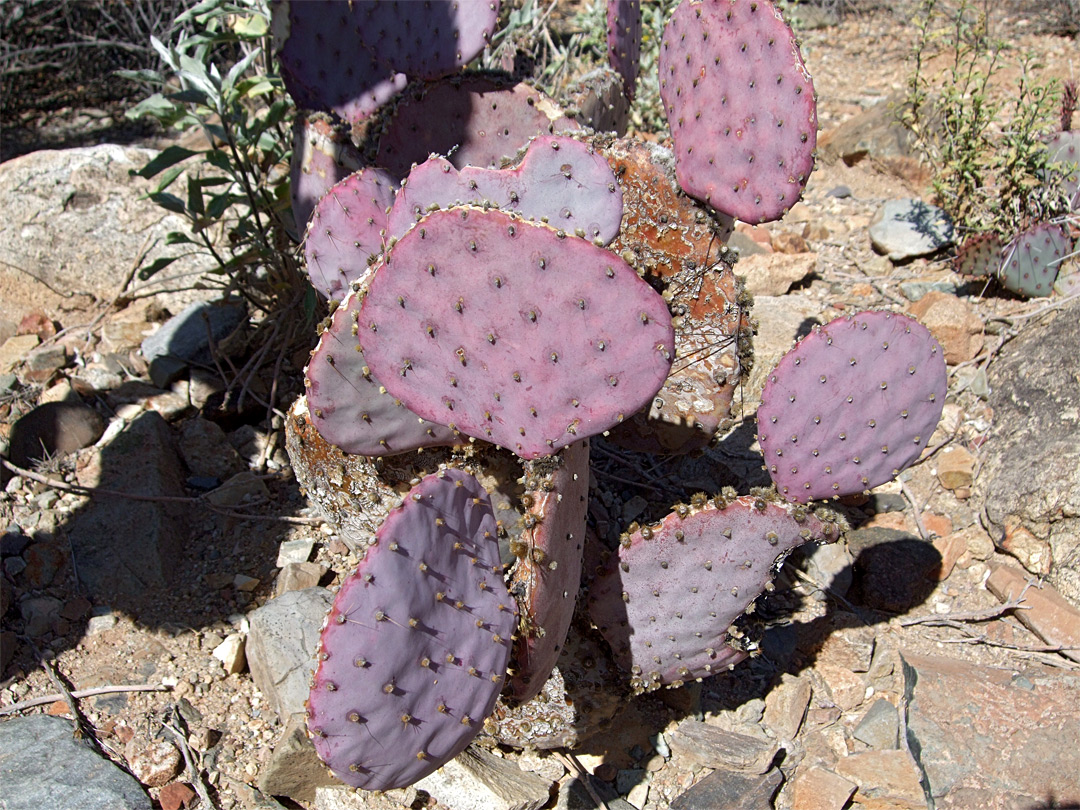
<point x="666" y="600"/>
<point x="347" y="231"/>
<point x="853" y="404"/>
<point x="512" y="332"/>
<point x="414" y="651"/>
<point x="1030" y="262"/>
<point x="560" y="181"/>
<point x="482" y="120"/>
<point x="548" y="572"/>
<point x="624" y="41"/>
<point x="740" y="105"/>
<point x="322" y="157"/>
<point x="350" y="408"/>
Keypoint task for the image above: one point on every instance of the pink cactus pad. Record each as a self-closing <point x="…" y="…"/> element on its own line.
<point x="414" y="651"/>
<point x="322" y="157"/>
<point x="740" y="105"/>
<point x="350" y="408"/>
<point x="853" y="404"/>
<point x="548" y="572"/>
<point x="482" y="121"/>
<point x="510" y="332"/>
<point x="347" y="231"/>
<point x="624" y="41"/>
<point x="560" y="181"/>
<point x="666" y="599"/>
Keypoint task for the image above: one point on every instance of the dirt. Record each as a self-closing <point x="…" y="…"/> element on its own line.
<point x="854" y="64"/>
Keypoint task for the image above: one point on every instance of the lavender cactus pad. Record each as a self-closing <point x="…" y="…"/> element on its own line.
<point x="347" y="231"/>
<point x="548" y="572"/>
<point x="665" y="601"/>
<point x="350" y="408"/>
<point x="414" y="651"/>
<point x="979" y="255"/>
<point x="483" y="120"/>
<point x="322" y="157"/>
<point x="740" y="104"/>
<point x="1029" y="264"/>
<point x="560" y="181"/>
<point x="510" y="332"/>
<point x="624" y="41"/>
<point x="853" y="404"/>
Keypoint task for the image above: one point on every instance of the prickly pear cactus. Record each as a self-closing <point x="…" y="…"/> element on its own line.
<point x="979" y="255"/>
<point x="740" y="105"/>
<point x="352" y="57"/>
<point x="560" y="181"/>
<point x="483" y="120"/>
<point x="624" y="41"/>
<point x="322" y="157"/>
<point x="667" y="598"/>
<point x="510" y="332"/>
<point x="347" y="231"/>
<point x="547" y="575"/>
<point x="1064" y="150"/>
<point x="350" y="407"/>
<point x="1029" y="264"/>
<point x="853" y="404"/>
<point x="414" y="651"/>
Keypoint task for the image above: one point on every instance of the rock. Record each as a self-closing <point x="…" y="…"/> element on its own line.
<point x="294" y="769"/>
<point x="186" y="338"/>
<point x="886" y="780"/>
<point x="342" y="797"/>
<point x="994" y="738"/>
<point x="176" y="796"/>
<point x="780" y="321"/>
<point x="78" y="221"/>
<point x="707" y="746"/>
<point x="785" y="706"/>
<point x="206" y="450"/>
<point x="154" y="763"/>
<point x="775" y="273"/>
<point x="230" y="653"/>
<point x="880" y="726"/>
<point x="14" y="350"/>
<point x="298" y="576"/>
<point x="44" y="560"/>
<point x="1030" y="473"/>
<point x="244" y="487"/>
<point x="43" y="765"/>
<point x="828" y="567"/>
<point x="40" y="614"/>
<point x="953" y="322"/>
<point x="244" y="583"/>
<point x="297" y="550"/>
<point x="628" y="778"/>
<point x="722" y="790"/>
<point x="124" y="547"/>
<point x="955" y="468"/>
<point x="1031" y="552"/>
<point x="891" y="569"/>
<point x="916" y="290"/>
<point x="951" y="547"/>
<point x="908" y="228"/>
<point x="55" y="428"/>
<point x="750" y="240"/>
<point x="1047" y="613"/>
<point x="815" y="788"/>
<point x="875" y="133"/>
<point x="788" y="242"/>
<point x="281" y="647"/>
<point x="478" y="780"/>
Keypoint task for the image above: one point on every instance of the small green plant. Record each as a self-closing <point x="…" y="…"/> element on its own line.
<point x="987" y="152"/>
<point x="219" y="80"/>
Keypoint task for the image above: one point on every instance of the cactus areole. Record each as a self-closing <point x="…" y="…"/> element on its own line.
<point x="741" y="106"/>
<point x="513" y="332"/>
<point x="414" y="651"/>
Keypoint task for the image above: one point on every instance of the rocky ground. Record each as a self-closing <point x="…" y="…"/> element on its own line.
<point x="932" y="658"/>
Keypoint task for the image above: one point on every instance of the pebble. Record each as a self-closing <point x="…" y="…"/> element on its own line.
<point x="298" y="550"/>
<point x="230" y="653"/>
<point x="155" y="763"/>
<point x="880" y="726"/>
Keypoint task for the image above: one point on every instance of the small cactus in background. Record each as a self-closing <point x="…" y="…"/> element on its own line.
<point x="979" y="255"/>
<point x="624" y="41"/>
<point x="502" y="295"/>
<point x="1029" y="264"/>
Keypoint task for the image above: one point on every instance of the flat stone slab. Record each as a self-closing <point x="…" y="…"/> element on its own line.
<point x="995" y="739"/>
<point x="42" y="765"/>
